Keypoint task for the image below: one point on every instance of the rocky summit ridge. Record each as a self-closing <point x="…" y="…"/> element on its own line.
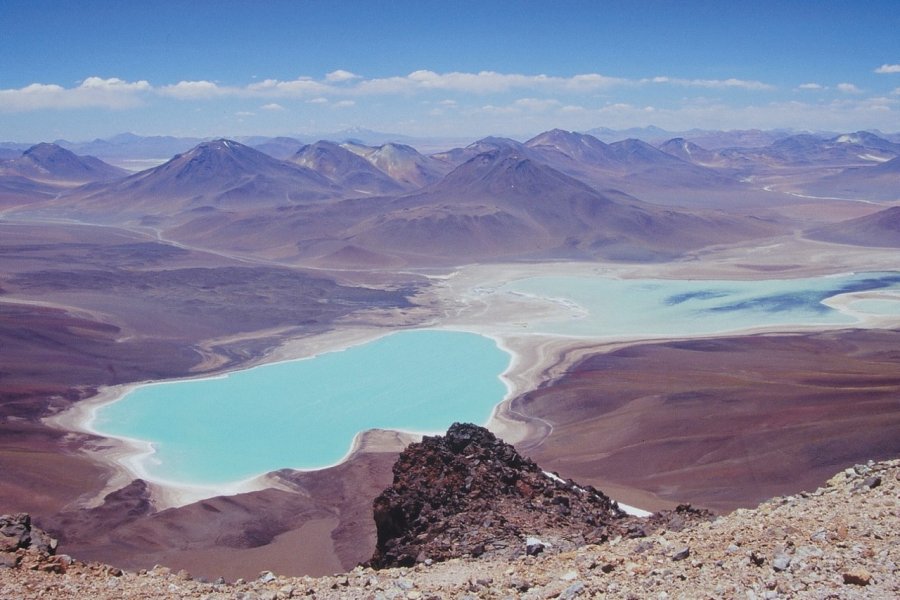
<point x="470" y="494"/>
<point x="839" y="541"/>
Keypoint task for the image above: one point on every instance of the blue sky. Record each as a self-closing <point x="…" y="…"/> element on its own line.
<point x="79" y="70"/>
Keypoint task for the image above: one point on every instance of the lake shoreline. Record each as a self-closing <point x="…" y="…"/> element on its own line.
<point x="535" y="360"/>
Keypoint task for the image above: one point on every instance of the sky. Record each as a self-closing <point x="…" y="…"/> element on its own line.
<point x="427" y="68"/>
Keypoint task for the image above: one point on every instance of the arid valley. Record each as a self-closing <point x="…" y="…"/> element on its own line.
<point x="227" y="256"/>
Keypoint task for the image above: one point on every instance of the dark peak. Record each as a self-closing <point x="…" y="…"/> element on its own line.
<point x="552" y="136"/>
<point x="495" y="142"/>
<point x="221" y="144"/>
<point x="489" y="164"/>
<point x="462" y="438"/>
<point x="219" y="150"/>
<point x="556" y="133"/>
<point x="124" y="138"/>
<point x="53" y="162"/>
<point x="395" y="149"/>
<point x="682" y="144"/>
<point x="859" y="137"/>
<point x="470" y="493"/>
<point x="321" y="147"/>
<point x="512" y="174"/>
<point x="45" y="149"/>
<point x="634" y="151"/>
<point x="632" y="144"/>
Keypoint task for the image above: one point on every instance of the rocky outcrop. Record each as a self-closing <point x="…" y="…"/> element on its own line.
<point x="17" y="533"/>
<point x="470" y="494"/>
<point x="24" y="546"/>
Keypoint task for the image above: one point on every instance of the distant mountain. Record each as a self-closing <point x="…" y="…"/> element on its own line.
<point x="131" y="146"/>
<point x="632" y="166"/>
<point x="690" y="152"/>
<point x="587" y="156"/>
<point x="52" y="163"/>
<point x="503" y="204"/>
<point x="361" y="135"/>
<point x="402" y="163"/>
<point x="879" y="183"/>
<point x="9" y="153"/>
<point x="878" y="230"/>
<point x="650" y="133"/>
<point x="281" y="148"/>
<point x="738" y="138"/>
<point x="558" y="145"/>
<point x="346" y="169"/>
<point x="17" y="147"/>
<point x="804" y="150"/>
<point x="458" y="156"/>
<point x="881" y="147"/>
<point x="221" y="173"/>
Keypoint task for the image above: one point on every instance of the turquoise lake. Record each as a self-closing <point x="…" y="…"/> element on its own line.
<point x="603" y="307"/>
<point x="305" y="413"/>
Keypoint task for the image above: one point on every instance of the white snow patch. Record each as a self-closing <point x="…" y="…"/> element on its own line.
<point x="634" y="512"/>
<point x="631" y="510"/>
<point x="874" y="158"/>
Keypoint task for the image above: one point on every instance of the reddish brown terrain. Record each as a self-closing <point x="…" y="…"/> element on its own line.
<point x="721" y="423"/>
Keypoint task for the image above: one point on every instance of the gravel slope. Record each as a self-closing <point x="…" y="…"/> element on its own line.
<point x="840" y="541"/>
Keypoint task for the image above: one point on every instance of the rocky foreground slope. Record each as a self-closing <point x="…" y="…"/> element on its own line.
<point x="840" y="541"/>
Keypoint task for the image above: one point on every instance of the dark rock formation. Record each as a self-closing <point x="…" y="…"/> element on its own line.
<point x="469" y="493"/>
<point x="17" y="533"/>
<point x="23" y="546"/>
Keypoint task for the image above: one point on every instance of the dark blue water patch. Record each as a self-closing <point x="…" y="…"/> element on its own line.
<point x="807" y="300"/>
<point x="676" y="299"/>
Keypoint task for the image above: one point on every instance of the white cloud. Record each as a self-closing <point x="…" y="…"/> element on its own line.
<point x="848" y="88"/>
<point x="888" y="69"/>
<point x="245" y="113"/>
<point x="93" y="92"/>
<point x="483" y="82"/>
<point x="319" y="100"/>
<point x="341" y="75"/>
<point x="344" y="104"/>
<point x="193" y="90"/>
<point x="273" y="106"/>
<point x="714" y="83"/>
<point x="117" y="93"/>
<point x="896" y="92"/>
<point x="301" y="86"/>
<point x="113" y="83"/>
<point x="810" y="86"/>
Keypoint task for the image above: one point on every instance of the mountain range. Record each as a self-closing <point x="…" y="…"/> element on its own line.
<point x="557" y="195"/>
<point x="50" y="163"/>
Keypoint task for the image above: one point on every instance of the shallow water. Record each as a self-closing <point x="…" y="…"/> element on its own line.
<point x="601" y="307"/>
<point x="304" y="414"/>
